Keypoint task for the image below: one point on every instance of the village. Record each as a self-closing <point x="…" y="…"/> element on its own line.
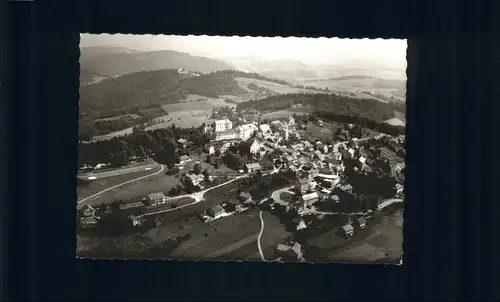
<point x="318" y="173"/>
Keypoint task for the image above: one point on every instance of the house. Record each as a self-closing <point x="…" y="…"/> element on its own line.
<point x="309" y="199"/>
<point x="216" y="211"/>
<point x="288" y="252"/>
<point x="252" y="167"/>
<point x="89" y="220"/>
<point x="183" y="142"/>
<point x="136" y="220"/>
<point x="399" y="189"/>
<point x="156" y="199"/>
<point x="254" y="147"/>
<point x="351" y="152"/>
<point x="184" y="159"/>
<point x="291" y="121"/>
<point x="302" y="185"/>
<point x="348" y="230"/>
<point x="330" y="183"/>
<point x="297" y="248"/>
<point x="223" y="125"/>
<point x="346" y="188"/>
<point x="211" y="150"/>
<point x="89" y="211"/>
<point x="246" y="131"/>
<point x="360" y="222"/>
<point x="194" y="179"/>
<point x="227" y="134"/>
<point x="264" y="128"/>
<point x="245" y="197"/>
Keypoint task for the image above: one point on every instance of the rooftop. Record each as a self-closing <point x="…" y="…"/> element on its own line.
<point x="156" y="195"/>
<point x="253" y="165"/>
<point x="310" y="196"/>
<point x="347" y="228"/>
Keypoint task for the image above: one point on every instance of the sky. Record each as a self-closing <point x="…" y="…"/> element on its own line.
<point x="315" y="51"/>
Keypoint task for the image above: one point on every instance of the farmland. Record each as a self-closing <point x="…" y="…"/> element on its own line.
<point x="139" y="189"/>
<point x="134" y="116"/>
<point x="385" y="237"/>
<point x="87" y="188"/>
<point x="278" y="88"/>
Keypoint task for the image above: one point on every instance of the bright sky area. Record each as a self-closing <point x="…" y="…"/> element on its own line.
<point x="390" y="52"/>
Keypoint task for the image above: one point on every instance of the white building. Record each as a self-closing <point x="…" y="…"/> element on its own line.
<point x="246" y="131"/>
<point x="223" y="125"/>
<point x="227" y="134"/>
<point x="265" y="128"/>
<point x="291" y="121"/>
<point x="157" y="199"/>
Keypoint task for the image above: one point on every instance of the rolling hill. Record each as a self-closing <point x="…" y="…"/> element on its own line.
<point x="124" y="62"/>
<point x="91" y="52"/>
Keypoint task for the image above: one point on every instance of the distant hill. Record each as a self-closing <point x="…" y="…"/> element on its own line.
<point x="92" y="52"/>
<point x="144" y="89"/>
<point x="122" y="62"/>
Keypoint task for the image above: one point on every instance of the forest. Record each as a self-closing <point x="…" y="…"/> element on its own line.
<point x="368" y="113"/>
<point x="158" y="144"/>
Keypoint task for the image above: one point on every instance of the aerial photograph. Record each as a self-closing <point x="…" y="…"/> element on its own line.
<point x="228" y="148"/>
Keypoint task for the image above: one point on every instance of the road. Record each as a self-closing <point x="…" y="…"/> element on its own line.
<point x="198" y="197"/>
<point x="162" y="170"/>
<point x="260" y="237"/>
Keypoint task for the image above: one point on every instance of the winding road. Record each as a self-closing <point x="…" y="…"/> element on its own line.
<point x="162" y="169"/>
<point x="259" y="237"/>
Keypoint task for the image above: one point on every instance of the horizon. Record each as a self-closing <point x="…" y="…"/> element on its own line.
<point x="310" y="51"/>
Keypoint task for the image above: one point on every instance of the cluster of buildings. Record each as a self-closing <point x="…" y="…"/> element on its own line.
<point x="224" y="129"/>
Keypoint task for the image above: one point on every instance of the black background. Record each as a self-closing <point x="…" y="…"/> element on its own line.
<point x="451" y="209"/>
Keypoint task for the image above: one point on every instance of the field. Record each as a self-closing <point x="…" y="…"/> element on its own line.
<point x="278" y="88"/>
<point x="88" y="188"/>
<point x="384" y="243"/>
<point x="132" y="115"/>
<point x="321" y="133"/>
<point x="395" y="122"/>
<point x="111" y="135"/>
<point x="139" y="189"/>
<point x="274" y="233"/>
<point x="230" y="238"/>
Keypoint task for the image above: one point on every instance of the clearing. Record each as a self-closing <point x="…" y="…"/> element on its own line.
<point x="86" y="188"/>
<point x="213" y="240"/>
<point x="138" y="189"/>
<point x="132" y="115"/>
<point x="395" y="122"/>
<point x="278" y="88"/>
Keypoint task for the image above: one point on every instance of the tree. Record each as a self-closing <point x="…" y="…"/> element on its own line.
<point x="197" y="169"/>
<point x="233" y="161"/>
<point x="115" y="204"/>
<point x="206" y="174"/>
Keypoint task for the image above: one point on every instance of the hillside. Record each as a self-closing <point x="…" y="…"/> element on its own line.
<point x="145" y="89"/>
<point x="92" y="52"/>
<point x="331" y="106"/>
<point x="120" y="63"/>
